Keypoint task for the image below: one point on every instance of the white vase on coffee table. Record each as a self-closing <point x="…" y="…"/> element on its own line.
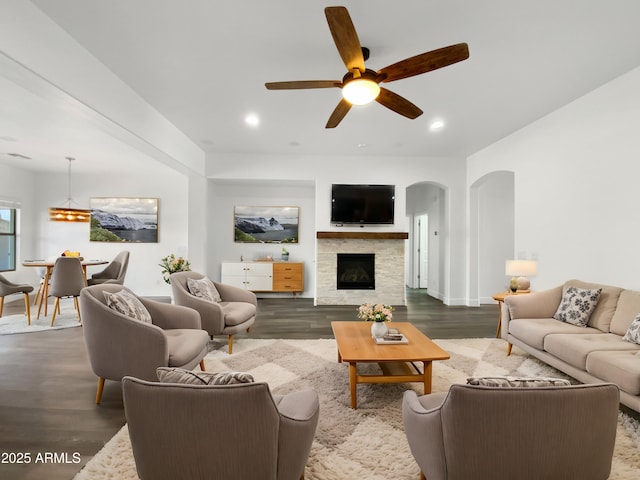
<point x="378" y="329"/>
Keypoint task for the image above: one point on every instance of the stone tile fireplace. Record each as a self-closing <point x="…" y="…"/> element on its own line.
<point x="386" y="249"/>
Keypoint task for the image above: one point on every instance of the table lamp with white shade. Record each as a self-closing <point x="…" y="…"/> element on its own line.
<point x="519" y="270"/>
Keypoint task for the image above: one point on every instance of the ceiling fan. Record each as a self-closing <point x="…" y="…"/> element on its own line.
<point x="360" y="85"/>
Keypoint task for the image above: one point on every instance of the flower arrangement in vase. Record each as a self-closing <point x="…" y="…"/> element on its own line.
<point x="377" y="313"/>
<point x="172" y="264"/>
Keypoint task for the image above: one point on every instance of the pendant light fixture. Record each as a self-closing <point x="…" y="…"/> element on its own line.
<point x="69" y="214"/>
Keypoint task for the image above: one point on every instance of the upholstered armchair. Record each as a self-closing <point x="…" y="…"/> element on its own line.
<point x="114" y="272"/>
<point x="235" y="311"/>
<point x="120" y="345"/>
<point x="505" y="433"/>
<point x="232" y="432"/>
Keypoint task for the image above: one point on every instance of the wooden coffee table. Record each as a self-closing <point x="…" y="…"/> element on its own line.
<point x="355" y="345"/>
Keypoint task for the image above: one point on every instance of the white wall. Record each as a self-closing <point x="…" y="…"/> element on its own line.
<point x="41" y="238"/>
<point x="491" y="201"/>
<point x="31" y="49"/>
<point x="576" y="181"/>
<point x="227" y="194"/>
<point x="15" y="186"/>
<point x="322" y="171"/>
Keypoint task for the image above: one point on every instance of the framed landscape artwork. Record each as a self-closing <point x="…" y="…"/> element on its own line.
<point x="124" y="219"/>
<point x="266" y="224"/>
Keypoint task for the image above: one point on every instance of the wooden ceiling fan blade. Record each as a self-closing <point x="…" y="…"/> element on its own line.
<point x="302" y="84"/>
<point x="398" y="104"/>
<point x="425" y="62"/>
<point x="338" y="114"/>
<point x="345" y="37"/>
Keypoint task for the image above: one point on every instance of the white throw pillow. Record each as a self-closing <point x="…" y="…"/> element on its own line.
<point x="203" y="288"/>
<point x="181" y="375"/>
<point x="128" y="304"/>
<point x="577" y="305"/>
<point x="633" y="333"/>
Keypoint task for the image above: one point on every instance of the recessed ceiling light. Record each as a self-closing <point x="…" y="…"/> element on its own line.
<point x="252" y="120"/>
<point x="362" y="145"/>
<point x="436" y="125"/>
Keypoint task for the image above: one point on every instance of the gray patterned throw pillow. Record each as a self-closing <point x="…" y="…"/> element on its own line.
<point x="577" y="305"/>
<point x="633" y="333"/>
<point x="508" y="382"/>
<point x="203" y="288"/>
<point x="181" y="375"/>
<point x="128" y="304"/>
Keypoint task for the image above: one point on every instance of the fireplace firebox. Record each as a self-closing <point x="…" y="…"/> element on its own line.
<point x="356" y="271"/>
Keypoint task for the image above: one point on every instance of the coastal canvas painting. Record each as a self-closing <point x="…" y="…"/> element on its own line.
<point x="124" y="219"/>
<point x="266" y="224"/>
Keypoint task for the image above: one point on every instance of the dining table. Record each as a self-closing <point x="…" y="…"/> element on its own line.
<point x="48" y="266"/>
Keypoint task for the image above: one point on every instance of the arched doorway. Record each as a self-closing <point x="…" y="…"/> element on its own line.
<point x="426" y="208"/>
<point x="491" y="234"/>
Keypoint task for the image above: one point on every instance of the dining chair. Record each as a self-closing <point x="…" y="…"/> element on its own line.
<point x="9" y="288"/>
<point x="67" y="279"/>
<point x="114" y="272"/>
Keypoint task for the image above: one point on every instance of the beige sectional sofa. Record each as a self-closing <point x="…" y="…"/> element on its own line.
<point x="593" y="353"/>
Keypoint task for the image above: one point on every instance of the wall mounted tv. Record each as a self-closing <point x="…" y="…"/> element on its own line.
<point x="362" y="204"/>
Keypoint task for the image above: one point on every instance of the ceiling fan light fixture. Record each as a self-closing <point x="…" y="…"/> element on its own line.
<point x="360" y="91"/>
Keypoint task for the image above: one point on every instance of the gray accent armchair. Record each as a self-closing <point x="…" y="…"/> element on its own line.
<point x="234" y="314"/>
<point x="506" y="433"/>
<point x="114" y="272"/>
<point x="231" y="432"/>
<point x="119" y="345"/>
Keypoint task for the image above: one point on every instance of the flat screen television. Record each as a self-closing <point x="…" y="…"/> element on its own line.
<point x="362" y="204"/>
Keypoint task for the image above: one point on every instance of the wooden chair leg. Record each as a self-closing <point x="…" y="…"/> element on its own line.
<point x="202" y="365"/>
<point x="56" y="309"/>
<point x="422" y="477"/>
<point x="38" y="294"/>
<point x="230" y="344"/>
<point x="40" y="306"/>
<point x="75" y="302"/>
<point x="509" y="349"/>
<point x="1" y="305"/>
<point x="28" y="307"/>
<point x="100" y="389"/>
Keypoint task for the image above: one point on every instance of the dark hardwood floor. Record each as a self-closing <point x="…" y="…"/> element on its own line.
<point x="47" y="389"/>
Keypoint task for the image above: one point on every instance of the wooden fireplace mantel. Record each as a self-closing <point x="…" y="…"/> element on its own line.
<point x="365" y="235"/>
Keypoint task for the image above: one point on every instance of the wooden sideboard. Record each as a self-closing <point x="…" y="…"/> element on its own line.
<point x="265" y="276"/>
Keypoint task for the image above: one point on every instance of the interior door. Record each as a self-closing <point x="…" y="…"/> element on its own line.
<point x="422" y="256"/>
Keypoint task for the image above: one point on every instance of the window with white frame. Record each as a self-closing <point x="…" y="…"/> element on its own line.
<point x="7" y="239"/>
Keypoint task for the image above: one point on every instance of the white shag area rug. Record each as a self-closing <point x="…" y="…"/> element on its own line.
<point x="67" y="318"/>
<point x="367" y="443"/>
